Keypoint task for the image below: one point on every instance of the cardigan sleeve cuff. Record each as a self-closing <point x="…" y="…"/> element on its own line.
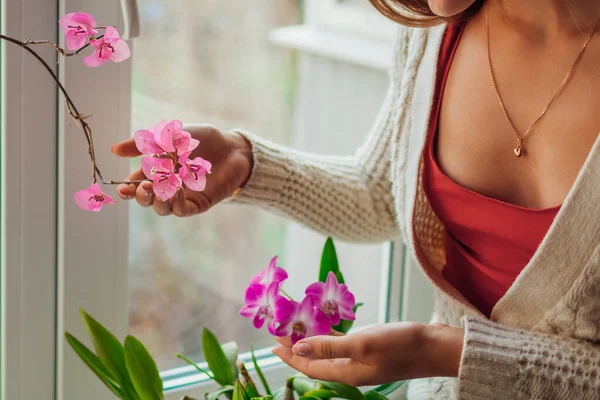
<point x="270" y="172"/>
<point x="491" y="361"/>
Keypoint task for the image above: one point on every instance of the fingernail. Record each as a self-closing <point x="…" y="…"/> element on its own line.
<point x="146" y="186"/>
<point x="112" y="149"/>
<point x="301" y="349"/>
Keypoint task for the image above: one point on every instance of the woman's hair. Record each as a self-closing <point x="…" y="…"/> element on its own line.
<point x="417" y="12"/>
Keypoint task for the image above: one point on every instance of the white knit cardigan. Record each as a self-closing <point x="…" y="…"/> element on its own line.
<point x="542" y="340"/>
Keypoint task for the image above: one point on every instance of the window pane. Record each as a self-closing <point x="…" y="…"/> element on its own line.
<point x="208" y="61"/>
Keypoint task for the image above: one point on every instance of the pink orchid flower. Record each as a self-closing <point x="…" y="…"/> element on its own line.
<point x="108" y="47"/>
<point x="335" y="299"/>
<point x="165" y="137"/>
<point x="92" y="199"/>
<point x="300" y="320"/>
<point x="260" y="302"/>
<point x="78" y="27"/>
<point x="193" y="172"/>
<point x="162" y="173"/>
<point x="272" y="273"/>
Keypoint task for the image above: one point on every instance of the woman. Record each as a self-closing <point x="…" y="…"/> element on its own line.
<point x="485" y="159"/>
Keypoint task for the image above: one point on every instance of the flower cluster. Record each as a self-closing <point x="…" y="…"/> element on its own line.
<point x="167" y="162"/>
<point x="81" y="29"/>
<point x="324" y="305"/>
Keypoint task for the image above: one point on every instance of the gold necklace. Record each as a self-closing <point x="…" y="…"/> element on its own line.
<point x="520" y="150"/>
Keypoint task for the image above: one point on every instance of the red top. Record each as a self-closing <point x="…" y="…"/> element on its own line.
<point x="488" y="242"/>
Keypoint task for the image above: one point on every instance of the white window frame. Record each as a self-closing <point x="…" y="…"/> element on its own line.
<point x="28" y="213"/>
<point x="56" y="258"/>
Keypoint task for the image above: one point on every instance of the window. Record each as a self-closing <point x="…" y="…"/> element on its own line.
<point x="163" y="279"/>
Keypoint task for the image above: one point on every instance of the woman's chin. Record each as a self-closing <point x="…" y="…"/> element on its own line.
<point x="448" y="8"/>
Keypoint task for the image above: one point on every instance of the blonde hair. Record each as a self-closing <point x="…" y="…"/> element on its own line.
<point x="417" y="12"/>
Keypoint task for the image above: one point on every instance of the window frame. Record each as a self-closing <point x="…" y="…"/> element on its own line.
<point x="28" y="210"/>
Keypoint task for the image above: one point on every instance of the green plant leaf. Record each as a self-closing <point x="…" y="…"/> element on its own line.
<point x="308" y="398"/>
<point x="389" y="388"/>
<point x="329" y="262"/>
<point x="216" y="359"/>
<point x="239" y="393"/>
<point x="344" y="326"/>
<point x="251" y="390"/>
<point x="373" y="395"/>
<point x="231" y="351"/>
<point x="227" y="390"/>
<point x="193" y="364"/>
<point x="262" y="398"/>
<point x="279" y="393"/>
<point x="94" y="363"/>
<point x="344" y="391"/>
<point x="111" y="352"/>
<point x="321" y="394"/>
<point x="303" y="385"/>
<point x="142" y="370"/>
<point x="259" y="372"/>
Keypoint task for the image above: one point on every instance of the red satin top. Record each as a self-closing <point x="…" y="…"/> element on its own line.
<point x="488" y="241"/>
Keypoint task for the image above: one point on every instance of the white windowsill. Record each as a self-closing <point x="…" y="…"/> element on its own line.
<point x="363" y="51"/>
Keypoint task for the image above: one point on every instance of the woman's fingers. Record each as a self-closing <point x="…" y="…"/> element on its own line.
<point x="127" y="191"/>
<point x="126" y="149"/>
<point x="287" y="340"/>
<point x="343" y="370"/>
<point x="144" y="194"/>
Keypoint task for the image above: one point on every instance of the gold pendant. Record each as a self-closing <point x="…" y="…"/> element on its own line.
<point x="519" y="149"/>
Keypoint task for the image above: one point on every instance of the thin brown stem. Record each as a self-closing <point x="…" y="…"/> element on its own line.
<point x="59" y="49"/>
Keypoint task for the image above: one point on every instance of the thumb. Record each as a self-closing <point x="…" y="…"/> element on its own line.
<point x="324" y="347"/>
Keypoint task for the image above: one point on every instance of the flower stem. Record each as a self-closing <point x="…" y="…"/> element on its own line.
<point x="285" y="294"/>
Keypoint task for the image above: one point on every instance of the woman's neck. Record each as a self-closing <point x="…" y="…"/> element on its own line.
<point x="543" y="19"/>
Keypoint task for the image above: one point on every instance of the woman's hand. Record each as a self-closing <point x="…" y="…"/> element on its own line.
<point x="382" y="354"/>
<point x="231" y="158"/>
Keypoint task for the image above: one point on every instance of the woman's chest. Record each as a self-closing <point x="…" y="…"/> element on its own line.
<point x="476" y="143"/>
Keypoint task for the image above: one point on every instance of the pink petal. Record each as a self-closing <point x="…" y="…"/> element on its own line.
<point x="111" y="34"/>
<point x="193" y="180"/>
<point x="74" y="40"/>
<point x="151" y="165"/>
<point x="193" y="144"/>
<point x="92" y="199"/>
<point x="296" y="337"/>
<point x="259" y="320"/>
<point x="65" y="21"/>
<point x="255" y="294"/>
<point x="93" y="60"/>
<point x="346" y="313"/>
<point x="273" y="291"/>
<point x="284" y="309"/>
<point x="83" y="19"/>
<point x="166" y="188"/>
<point x="319" y="324"/>
<point x="331" y="283"/>
<point x="248" y="311"/>
<point x="145" y="142"/>
<point x="316" y="289"/>
<point x="82" y="199"/>
<point x="122" y="51"/>
<point x="164" y="137"/>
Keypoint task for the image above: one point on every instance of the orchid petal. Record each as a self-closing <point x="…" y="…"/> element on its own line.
<point x="248" y="311"/>
<point x="316" y="289"/>
<point x="255" y="293"/>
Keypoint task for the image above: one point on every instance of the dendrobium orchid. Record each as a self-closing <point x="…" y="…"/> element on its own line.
<point x="260" y="302"/>
<point x="78" y="27"/>
<point x="300" y="320"/>
<point x="108" y="47"/>
<point x="272" y="273"/>
<point x="162" y="173"/>
<point x="334" y="299"/>
<point x="92" y="199"/>
<point x="193" y="172"/>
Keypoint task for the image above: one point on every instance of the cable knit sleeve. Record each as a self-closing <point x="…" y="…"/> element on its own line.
<point x="350" y="197"/>
<point x="500" y="362"/>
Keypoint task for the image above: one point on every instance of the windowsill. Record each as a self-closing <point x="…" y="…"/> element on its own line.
<point x="363" y="51"/>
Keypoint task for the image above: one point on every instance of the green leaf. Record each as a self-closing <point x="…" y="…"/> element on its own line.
<point x="111" y="352"/>
<point x="329" y="262"/>
<point x="227" y="390"/>
<point x="279" y="393"/>
<point x="389" y="388"/>
<point x="193" y="364"/>
<point x="344" y="326"/>
<point x="308" y="398"/>
<point x="251" y="390"/>
<point x="321" y="394"/>
<point x="302" y="385"/>
<point x="344" y="391"/>
<point x="262" y="398"/>
<point x="239" y="393"/>
<point x="373" y="395"/>
<point x="231" y="351"/>
<point x="216" y="359"/>
<point x="94" y="363"/>
<point x="142" y="370"/>
<point x="259" y="372"/>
